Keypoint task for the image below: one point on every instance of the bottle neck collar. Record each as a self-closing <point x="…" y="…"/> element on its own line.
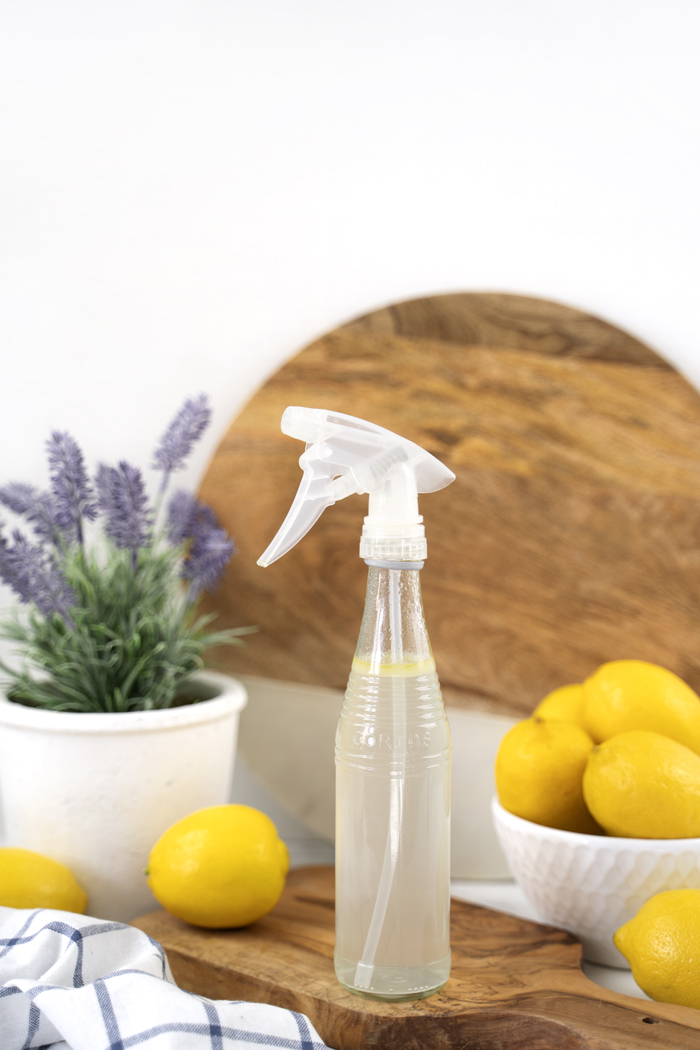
<point x="400" y="565"/>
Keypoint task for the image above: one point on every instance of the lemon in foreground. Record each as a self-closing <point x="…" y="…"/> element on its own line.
<point x="631" y="694"/>
<point x="662" y="945"/>
<point x="644" y="785"/>
<point x="564" y="704"/>
<point x="220" y="867"/>
<point x="31" y="880"/>
<point x="539" y="774"/>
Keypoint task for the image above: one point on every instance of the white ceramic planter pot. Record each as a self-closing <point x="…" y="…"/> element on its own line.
<point x="95" y="791"/>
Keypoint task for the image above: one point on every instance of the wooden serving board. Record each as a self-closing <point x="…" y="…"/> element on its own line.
<point x="515" y="985"/>
<point x="570" y="537"/>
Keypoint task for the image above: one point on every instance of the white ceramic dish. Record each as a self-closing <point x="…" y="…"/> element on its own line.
<point x="592" y="884"/>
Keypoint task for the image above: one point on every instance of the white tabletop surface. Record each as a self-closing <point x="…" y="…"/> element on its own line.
<point x="502" y="894"/>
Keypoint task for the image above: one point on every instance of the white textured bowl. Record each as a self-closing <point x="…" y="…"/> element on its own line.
<point x="592" y="884"/>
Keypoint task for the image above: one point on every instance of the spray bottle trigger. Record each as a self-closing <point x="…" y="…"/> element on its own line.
<point x="345" y="485"/>
<point x="345" y="455"/>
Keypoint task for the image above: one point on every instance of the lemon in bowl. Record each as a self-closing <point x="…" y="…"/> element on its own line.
<point x="564" y="704"/>
<point x="221" y="867"/>
<point x="539" y="773"/>
<point x="625" y="695"/>
<point x="644" y="785"/>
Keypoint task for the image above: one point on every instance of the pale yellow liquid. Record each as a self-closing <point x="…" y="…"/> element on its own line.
<point x="393" y="764"/>
<point x="388" y="670"/>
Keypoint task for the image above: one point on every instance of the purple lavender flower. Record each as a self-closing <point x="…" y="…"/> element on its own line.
<point x="187" y="516"/>
<point x="182" y="517"/>
<point x="208" y="556"/>
<point x="37" y="507"/>
<point x="70" y="488"/>
<point x="7" y="568"/>
<point x="121" y="496"/>
<point x="186" y="428"/>
<point x="210" y="549"/>
<point x="35" y="577"/>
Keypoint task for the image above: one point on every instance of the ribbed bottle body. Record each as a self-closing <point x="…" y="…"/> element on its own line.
<point x="393" y="808"/>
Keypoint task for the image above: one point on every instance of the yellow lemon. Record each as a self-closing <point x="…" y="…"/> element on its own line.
<point x="644" y="785"/>
<point x="632" y="694"/>
<point x="564" y="704"/>
<point x="539" y="773"/>
<point x="219" y="867"/>
<point x="31" y="880"/>
<point x="662" y="945"/>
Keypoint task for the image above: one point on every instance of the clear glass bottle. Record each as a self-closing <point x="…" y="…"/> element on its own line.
<point x="393" y="757"/>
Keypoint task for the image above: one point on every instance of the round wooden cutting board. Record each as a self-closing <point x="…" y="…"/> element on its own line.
<point x="570" y="537"/>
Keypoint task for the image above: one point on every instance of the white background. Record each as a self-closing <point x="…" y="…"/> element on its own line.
<point x="191" y="190"/>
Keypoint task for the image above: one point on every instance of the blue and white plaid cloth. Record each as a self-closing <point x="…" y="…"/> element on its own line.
<point x="70" y="982"/>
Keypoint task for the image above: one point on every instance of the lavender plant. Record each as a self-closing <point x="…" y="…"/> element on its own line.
<point x="112" y="623"/>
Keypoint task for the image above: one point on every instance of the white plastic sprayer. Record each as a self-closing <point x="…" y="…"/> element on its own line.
<point x="393" y="744"/>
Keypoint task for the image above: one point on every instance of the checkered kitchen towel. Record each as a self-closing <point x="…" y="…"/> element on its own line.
<point x="70" y="982"/>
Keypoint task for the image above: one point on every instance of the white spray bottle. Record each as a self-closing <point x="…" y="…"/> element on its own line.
<point x="393" y="747"/>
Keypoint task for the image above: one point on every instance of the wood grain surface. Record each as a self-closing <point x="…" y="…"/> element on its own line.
<point x="570" y="537"/>
<point x="515" y="985"/>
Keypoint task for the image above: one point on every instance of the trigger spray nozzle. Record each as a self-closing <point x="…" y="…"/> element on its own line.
<point x="346" y="455"/>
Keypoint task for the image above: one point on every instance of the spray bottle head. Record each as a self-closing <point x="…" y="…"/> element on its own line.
<point x="346" y="455"/>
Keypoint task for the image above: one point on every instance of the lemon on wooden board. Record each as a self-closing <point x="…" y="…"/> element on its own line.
<point x="564" y="704"/>
<point x="539" y="774"/>
<point x="219" y="867"/>
<point x="631" y="694"/>
<point x="662" y="945"/>
<point x="31" y="880"/>
<point x="644" y="785"/>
